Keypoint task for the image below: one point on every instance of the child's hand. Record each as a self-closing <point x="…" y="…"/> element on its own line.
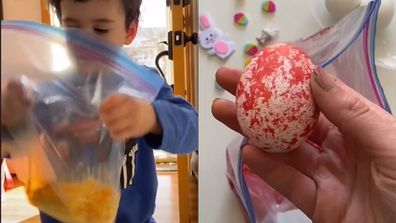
<point x="14" y="105"/>
<point x="128" y="117"/>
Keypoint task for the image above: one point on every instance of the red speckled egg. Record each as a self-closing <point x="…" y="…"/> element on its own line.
<point x="275" y="107"/>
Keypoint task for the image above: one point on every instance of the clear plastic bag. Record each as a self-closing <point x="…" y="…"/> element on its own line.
<point x="62" y="153"/>
<point x="345" y="49"/>
<point x="259" y="200"/>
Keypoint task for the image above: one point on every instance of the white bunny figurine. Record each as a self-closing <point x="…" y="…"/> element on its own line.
<point x="212" y="39"/>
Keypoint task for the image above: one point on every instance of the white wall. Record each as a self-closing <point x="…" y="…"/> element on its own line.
<point x="22" y="10"/>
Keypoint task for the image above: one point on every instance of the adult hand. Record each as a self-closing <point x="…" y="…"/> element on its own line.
<point x="352" y="177"/>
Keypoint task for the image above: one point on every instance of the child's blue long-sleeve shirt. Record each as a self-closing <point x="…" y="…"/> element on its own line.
<point x="179" y="123"/>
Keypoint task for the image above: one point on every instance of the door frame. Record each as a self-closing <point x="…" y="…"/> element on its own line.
<point x="185" y="61"/>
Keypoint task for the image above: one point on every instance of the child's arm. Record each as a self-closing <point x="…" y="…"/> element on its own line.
<point x="169" y="123"/>
<point x="178" y="121"/>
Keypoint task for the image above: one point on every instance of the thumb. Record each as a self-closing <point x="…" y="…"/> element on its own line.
<point x="353" y="114"/>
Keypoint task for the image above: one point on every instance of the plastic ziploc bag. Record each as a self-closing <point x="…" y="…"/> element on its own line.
<point x="345" y="49"/>
<point x="62" y="153"/>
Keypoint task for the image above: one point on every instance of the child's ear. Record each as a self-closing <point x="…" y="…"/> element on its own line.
<point x="131" y="34"/>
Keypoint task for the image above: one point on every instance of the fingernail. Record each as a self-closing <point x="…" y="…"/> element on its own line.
<point x="325" y="81"/>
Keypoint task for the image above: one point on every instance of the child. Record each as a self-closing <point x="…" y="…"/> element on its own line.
<point x="168" y="123"/>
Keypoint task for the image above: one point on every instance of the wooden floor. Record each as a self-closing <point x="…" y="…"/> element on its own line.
<point x="17" y="209"/>
<point x="167" y="209"/>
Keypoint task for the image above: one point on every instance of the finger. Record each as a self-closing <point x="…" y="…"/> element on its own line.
<point x="353" y="114"/>
<point x="305" y="159"/>
<point x="115" y="106"/>
<point x="113" y="101"/>
<point x="295" y="186"/>
<point x="120" y="126"/>
<point x="120" y="136"/>
<point x="320" y="131"/>
<point x="117" y="114"/>
<point x="225" y="111"/>
<point x="228" y="78"/>
<point x="123" y="134"/>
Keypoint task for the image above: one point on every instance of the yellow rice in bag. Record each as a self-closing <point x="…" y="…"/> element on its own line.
<point x="76" y="202"/>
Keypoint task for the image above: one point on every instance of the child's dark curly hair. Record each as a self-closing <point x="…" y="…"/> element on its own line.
<point x="131" y="8"/>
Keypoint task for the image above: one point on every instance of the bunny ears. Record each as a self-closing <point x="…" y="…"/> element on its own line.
<point x="213" y="39"/>
<point x="205" y="21"/>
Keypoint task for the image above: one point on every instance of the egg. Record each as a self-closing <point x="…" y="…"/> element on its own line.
<point x="241" y="19"/>
<point x="275" y="106"/>
<point x="268" y="6"/>
<point x="250" y="49"/>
